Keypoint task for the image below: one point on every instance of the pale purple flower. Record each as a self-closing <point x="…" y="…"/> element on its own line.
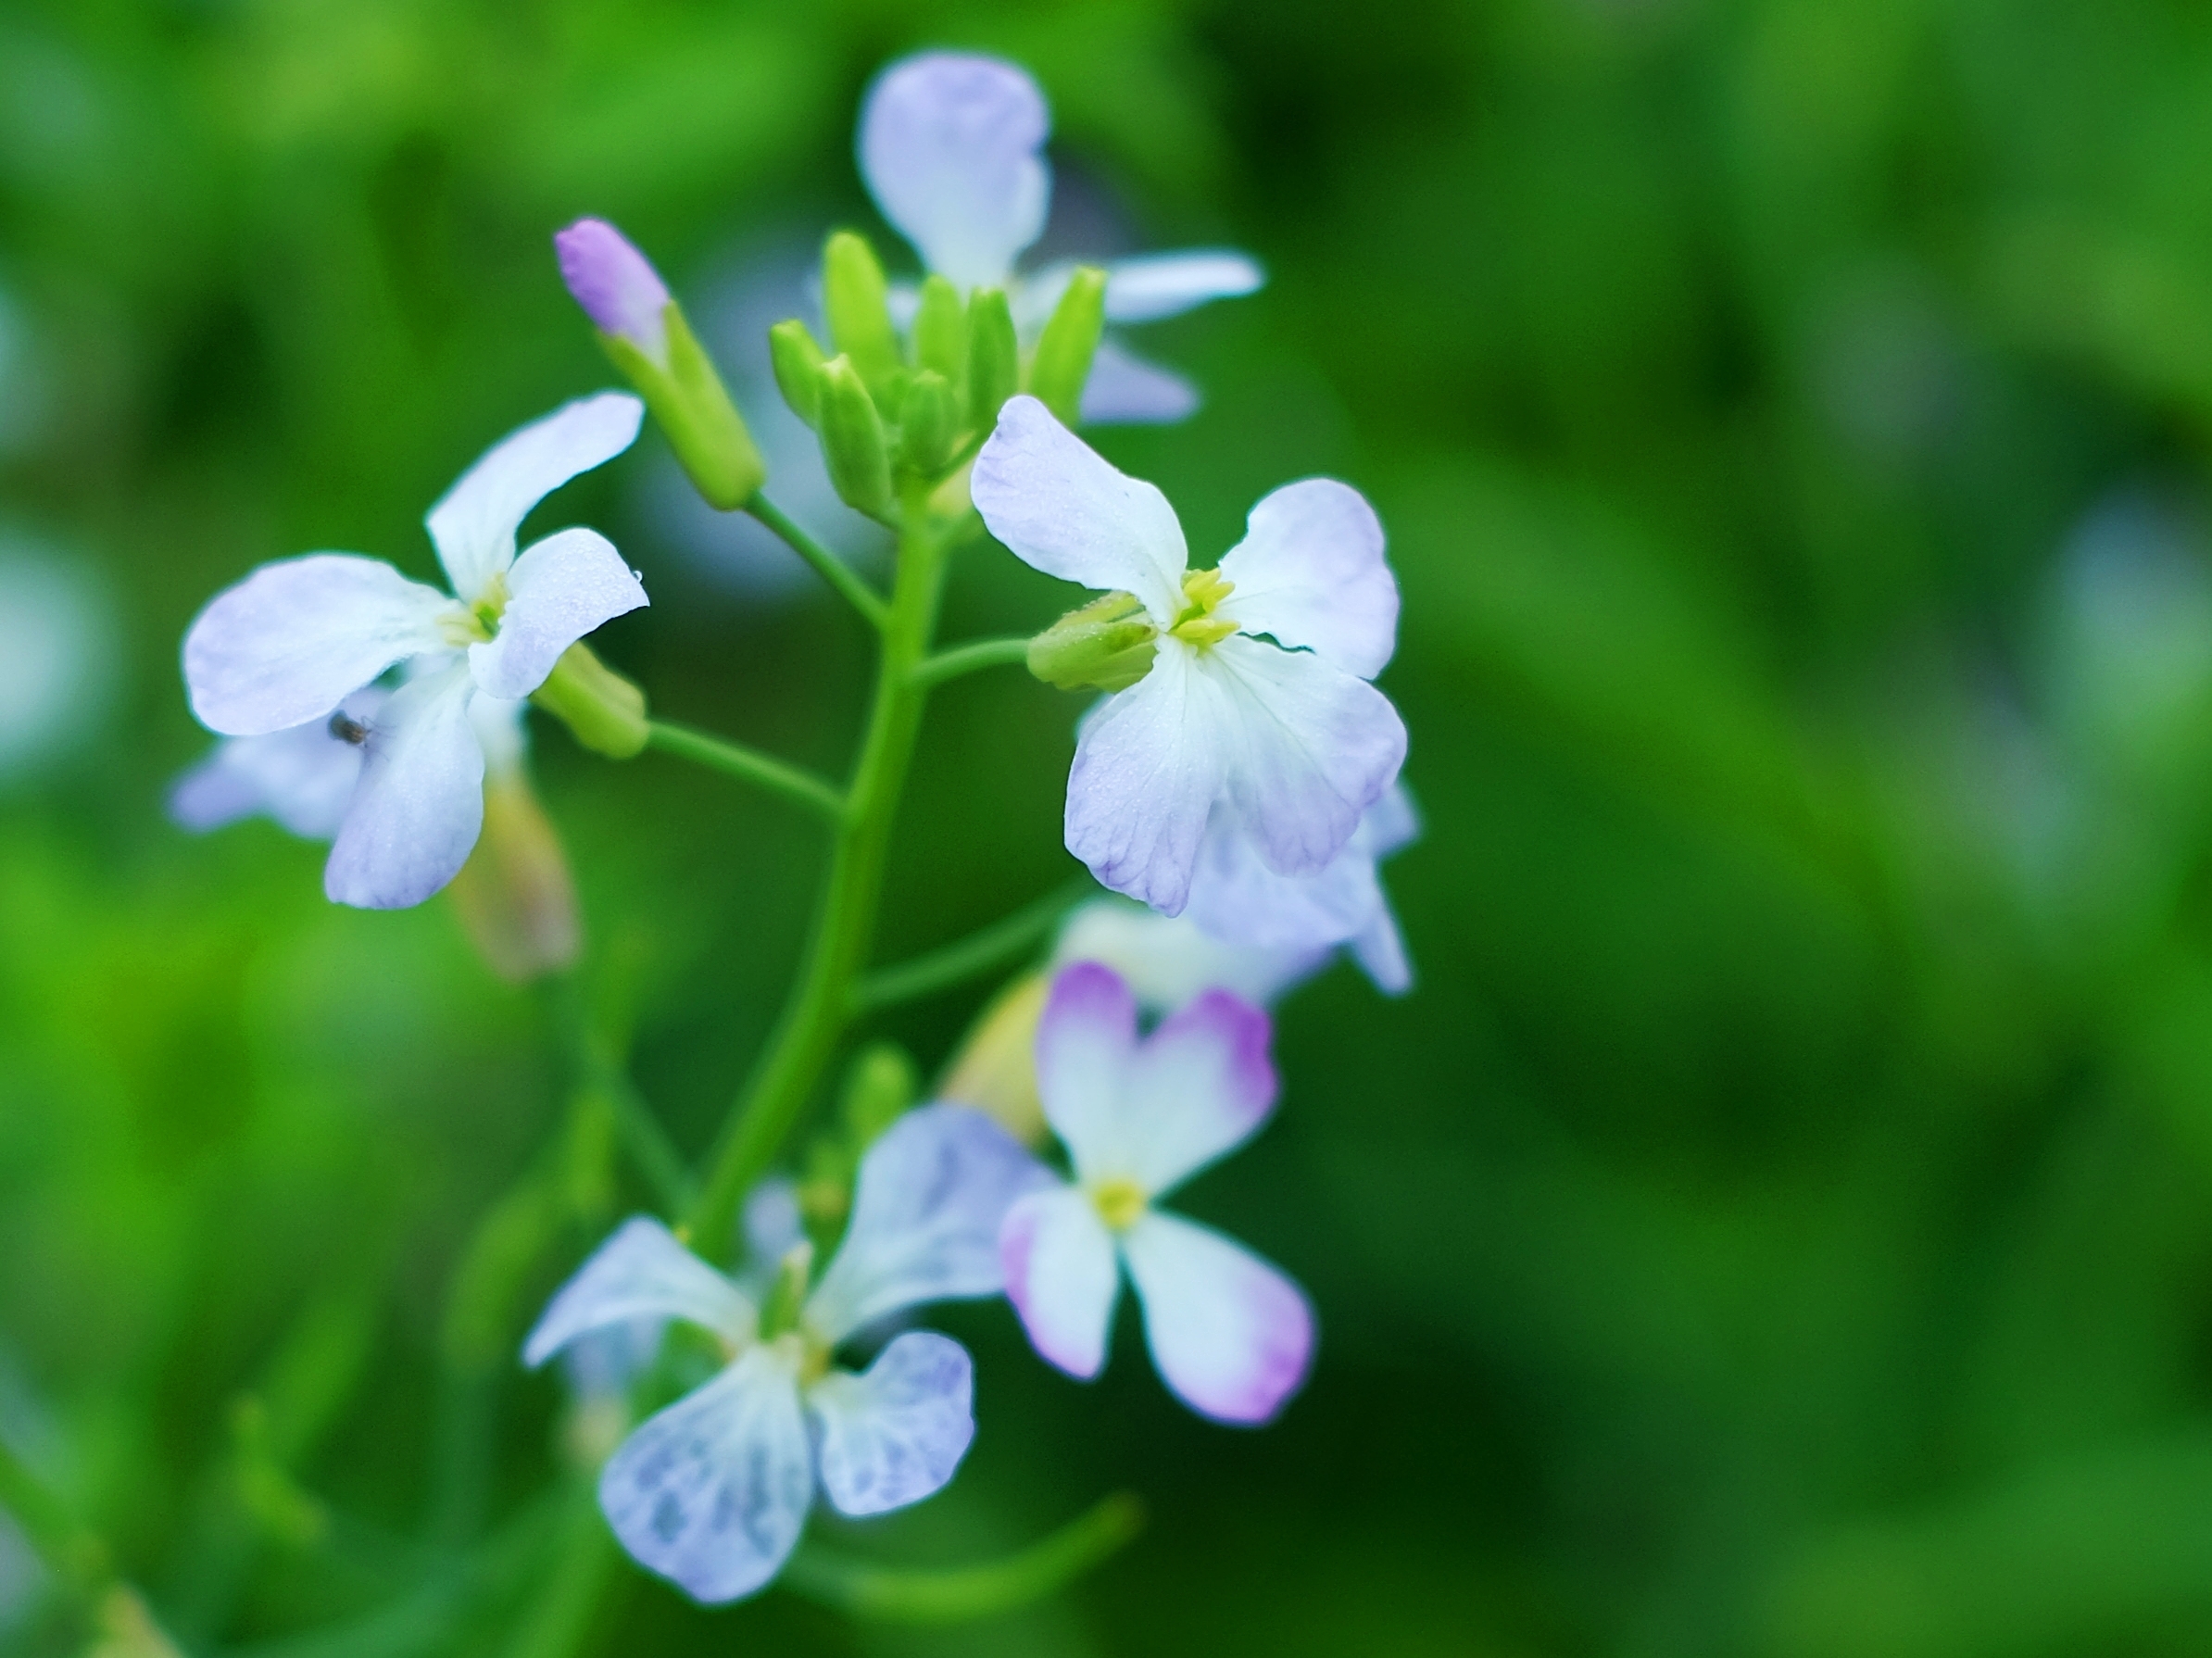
<point x="1256" y="712"/>
<point x="951" y="147"/>
<point x="617" y="287"/>
<point x="714" y="1492"/>
<point x="1231" y="1335"/>
<point x="286" y="647"/>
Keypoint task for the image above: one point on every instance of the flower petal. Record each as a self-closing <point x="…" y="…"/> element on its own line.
<point x="641" y="1272"/>
<point x="894" y="1434"/>
<point x="559" y="590"/>
<point x="473" y="527"/>
<point x="1153" y="285"/>
<point x="1381" y="951"/>
<point x="932" y="1194"/>
<point x="1127" y="390"/>
<point x="1236" y="898"/>
<point x="420" y="804"/>
<point x="1200" y="1086"/>
<point x="714" y="1492"/>
<point x="1231" y="1335"/>
<point x="1149" y="763"/>
<point x="1167" y="959"/>
<point x="1060" y="508"/>
<point x="1310" y="570"/>
<point x="1061" y="1277"/>
<point x="304" y="777"/>
<point x="289" y="643"/>
<point x="1310" y="748"/>
<point x="617" y="287"/>
<point x="1085" y="1041"/>
<point x="949" y="147"/>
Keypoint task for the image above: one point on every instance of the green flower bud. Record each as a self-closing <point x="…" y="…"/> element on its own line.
<point x="941" y="329"/>
<point x="1106" y="646"/>
<point x="688" y="399"/>
<point x="852" y="440"/>
<point x="994" y="357"/>
<point x="798" y="362"/>
<point x="879" y="1086"/>
<point x="859" y="313"/>
<point x="925" y="424"/>
<point x="1070" y="341"/>
<point x="788" y="1295"/>
<point x="606" y="711"/>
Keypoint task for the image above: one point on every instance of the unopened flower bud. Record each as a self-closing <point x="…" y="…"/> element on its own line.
<point x="994" y="357"/>
<point x="514" y="896"/>
<point x="925" y="422"/>
<point x="941" y="329"/>
<point x="995" y="1070"/>
<point x="645" y="332"/>
<point x="852" y="440"/>
<point x="859" y="309"/>
<point x="1106" y="646"/>
<point x="1071" y="339"/>
<point x="605" y="711"/>
<point x="878" y="1087"/>
<point x="797" y="363"/>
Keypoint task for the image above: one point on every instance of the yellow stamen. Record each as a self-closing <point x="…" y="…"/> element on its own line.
<point x="1120" y="1202"/>
<point x="1202" y="592"/>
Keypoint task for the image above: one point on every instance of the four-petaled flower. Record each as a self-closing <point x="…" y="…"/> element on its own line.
<point x="714" y="1492"/>
<point x="1230" y="1333"/>
<point x="950" y="146"/>
<point x="288" y="646"/>
<point x="1285" y="743"/>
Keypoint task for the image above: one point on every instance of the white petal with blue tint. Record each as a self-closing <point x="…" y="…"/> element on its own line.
<point x="419" y="807"/>
<point x="950" y="146"/>
<point x="473" y="527"/>
<point x="1085" y="1041"/>
<point x="932" y="1194"/>
<point x="1127" y="390"/>
<point x="559" y="590"/>
<point x="293" y="639"/>
<point x="1310" y="571"/>
<point x="304" y="777"/>
<point x="1231" y="1335"/>
<point x="640" y="1272"/>
<point x="1062" y="1276"/>
<point x="1150" y="286"/>
<point x="712" y="1492"/>
<point x="1379" y="949"/>
<point x="894" y="1434"/>
<point x="1166" y="960"/>
<point x="1198" y="1088"/>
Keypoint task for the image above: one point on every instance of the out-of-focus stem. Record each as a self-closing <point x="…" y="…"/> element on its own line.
<point x="72" y="1549"/>
<point x="722" y="755"/>
<point x="970" y="657"/>
<point x="832" y="569"/>
<point x="978" y="952"/>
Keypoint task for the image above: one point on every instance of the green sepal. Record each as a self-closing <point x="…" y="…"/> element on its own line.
<point x="1106" y="646"/>
<point x="796" y="359"/>
<point x="858" y="305"/>
<point x="1071" y="339"/>
<point x="606" y="711"/>
<point x="925" y="424"/>
<point x="994" y="357"/>
<point x="694" y="408"/>
<point x="941" y="329"/>
<point x="852" y="440"/>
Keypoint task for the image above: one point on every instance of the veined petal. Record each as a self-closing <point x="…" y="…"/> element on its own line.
<point x="1166" y="960"/>
<point x="1231" y="1335"/>
<point x="1085" y="1041"/>
<point x="712" y="1492"/>
<point x="304" y="777"/>
<point x="1236" y="898"/>
<point x="559" y="590"/>
<point x="1200" y="1085"/>
<point x="932" y="1194"/>
<point x="1061" y="1277"/>
<point x="289" y="643"/>
<point x="473" y="527"/>
<point x="420" y="804"/>
<point x="1127" y="390"/>
<point x="641" y="1272"/>
<point x="1060" y="508"/>
<point x="1153" y="285"/>
<point x="950" y="146"/>
<point x="1149" y="764"/>
<point x="1310" y="747"/>
<point x="1310" y="570"/>
<point x="894" y="1434"/>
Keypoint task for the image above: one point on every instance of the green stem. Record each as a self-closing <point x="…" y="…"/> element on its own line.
<point x="821" y="1002"/>
<point x="977" y="953"/>
<point x="832" y="569"/>
<point x="74" y="1554"/>
<point x="777" y="776"/>
<point x="968" y="659"/>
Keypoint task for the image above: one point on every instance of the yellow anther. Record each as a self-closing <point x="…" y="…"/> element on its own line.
<point x="1202" y="592"/>
<point x="1120" y="1202"/>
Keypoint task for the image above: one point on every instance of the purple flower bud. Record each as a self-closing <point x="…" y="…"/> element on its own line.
<point x="619" y="290"/>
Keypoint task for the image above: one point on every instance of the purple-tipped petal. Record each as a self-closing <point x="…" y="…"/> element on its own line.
<point x="1085" y="1039"/>
<point x="1199" y="1086"/>
<point x="1231" y="1335"/>
<point x="894" y="1434"/>
<point x="617" y="287"/>
<point x="1062" y="1276"/>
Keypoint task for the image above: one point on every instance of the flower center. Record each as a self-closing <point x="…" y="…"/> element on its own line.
<point x="1120" y="1202"/>
<point x="1202" y="592"/>
<point x="473" y="623"/>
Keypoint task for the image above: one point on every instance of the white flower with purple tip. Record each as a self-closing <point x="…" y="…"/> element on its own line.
<point x="1256" y="713"/>
<point x="714" y="1492"/>
<point x="285" y="648"/>
<point x="952" y="148"/>
<point x="1231" y="1336"/>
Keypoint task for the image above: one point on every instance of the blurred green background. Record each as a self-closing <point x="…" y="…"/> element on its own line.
<point x="1780" y="1225"/>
